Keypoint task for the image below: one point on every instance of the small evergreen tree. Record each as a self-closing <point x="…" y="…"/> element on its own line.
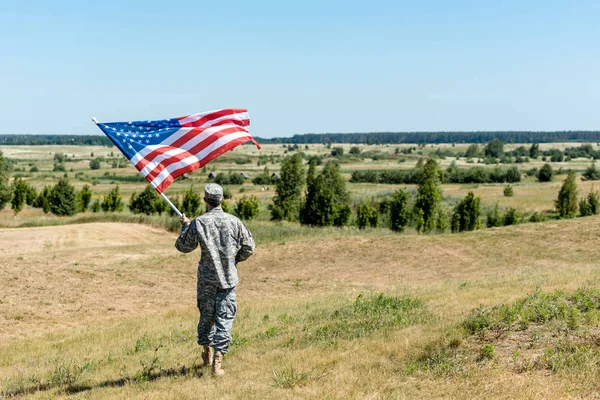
<point x="190" y="206"/>
<point x="63" y="199"/>
<point x="84" y="196"/>
<point x="511" y="217"/>
<point x="287" y="201"/>
<point x="589" y="205"/>
<point x="43" y="199"/>
<point x="148" y="202"/>
<point x="534" y="151"/>
<point x="429" y="197"/>
<point x="32" y="194"/>
<point x="95" y="164"/>
<point x="566" y="204"/>
<point x="493" y="218"/>
<point x="366" y="215"/>
<point x="508" y="191"/>
<point x="466" y="216"/>
<point x="96" y="206"/>
<point x="20" y="189"/>
<point x="247" y="208"/>
<point x="5" y="188"/>
<point x="113" y="201"/>
<point x="545" y="173"/>
<point x="399" y="211"/>
<point x="591" y="173"/>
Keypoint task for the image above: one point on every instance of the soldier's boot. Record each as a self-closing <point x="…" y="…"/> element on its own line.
<point x="207" y="356"/>
<point x="216" y="367"/>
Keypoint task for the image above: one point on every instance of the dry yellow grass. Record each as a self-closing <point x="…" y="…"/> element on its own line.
<point x="104" y="296"/>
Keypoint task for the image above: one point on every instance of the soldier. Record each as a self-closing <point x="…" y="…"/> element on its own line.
<point x="224" y="242"/>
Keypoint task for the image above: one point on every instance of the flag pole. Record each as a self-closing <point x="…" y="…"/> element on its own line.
<point x="161" y="194"/>
<point x="171" y="204"/>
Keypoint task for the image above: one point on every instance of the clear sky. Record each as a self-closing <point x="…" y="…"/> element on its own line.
<point x="299" y="67"/>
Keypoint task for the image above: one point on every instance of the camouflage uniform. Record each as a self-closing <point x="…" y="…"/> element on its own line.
<point x="224" y="242"/>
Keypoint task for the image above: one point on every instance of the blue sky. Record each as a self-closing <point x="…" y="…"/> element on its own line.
<point x="314" y="66"/>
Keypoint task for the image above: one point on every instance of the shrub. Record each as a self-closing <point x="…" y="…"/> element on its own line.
<point x="96" y="206"/>
<point x="399" y="211"/>
<point x="247" y="208"/>
<point x="337" y="151"/>
<point x="589" y="205"/>
<point x="566" y="204"/>
<point x="288" y="192"/>
<point x="148" y="202"/>
<point x="95" y="164"/>
<point x="63" y="199"/>
<point x="113" y="201"/>
<point x="59" y="168"/>
<point x="229" y="179"/>
<point x="20" y="189"/>
<point x="355" y="151"/>
<point x="59" y="158"/>
<point x="534" y="151"/>
<point x="511" y="217"/>
<point x="537" y="217"/>
<point x="34" y="169"/>
<point x="466" y="216"/>
<point x="494" y="148"/>
<point x="43" y="199"/>
<point x="366" y="215"/>
<point x="190" y="206"/>
<point x="591" y="173"/>
<point x="84" y="196"/>
<point x="508" y="191"/>
<point x="429" y="197"/>
<point x="227" y="193"/>
<point x="545" y="173"/>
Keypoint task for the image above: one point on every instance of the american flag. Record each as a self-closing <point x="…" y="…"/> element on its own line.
<point x="164" y="149"/>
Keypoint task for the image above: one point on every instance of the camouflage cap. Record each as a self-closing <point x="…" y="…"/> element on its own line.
<point x="213" y="193"/>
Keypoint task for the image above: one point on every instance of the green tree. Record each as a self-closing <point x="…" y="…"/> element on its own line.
<point x="511" y="217"/>
<point x="95" y="164"/>
<point x="566" y="204"/>
<point x="191" y="203"/>
<point x="5" y="188"/>
<point x="59" y="158"/>
<point x="509" y="191"/>
<point x="399" y="211"/>
<point x="337" y="151"/>
<point x="473" y="151"/>
<point x="466" y="216"/>
<point x="113" y="201"/>
<point x="63" y="199"/>
<point x="429" y="197"/>
<point x="366" y="215"/>
<point x="247" y="208"/>
<point x="327" y="200"/>
<point x="545" y="173"/>
<point x="20" y="189"/>
<point x="534" y="151"/>
<point x="592" y="201"/>
<point x="288" y="191"/>
<point x="84" y="196"/>
<point x="493" y="218"/>
<point x="43" y="199"/>
<point x="591" y="173"/>
<point x="494" y="148"/>
<point x="148" y="202"/>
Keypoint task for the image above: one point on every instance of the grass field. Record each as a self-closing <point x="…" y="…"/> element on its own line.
<point x="100" y="305"/>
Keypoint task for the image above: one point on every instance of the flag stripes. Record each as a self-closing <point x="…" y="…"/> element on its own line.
<point x="163" y="150"/>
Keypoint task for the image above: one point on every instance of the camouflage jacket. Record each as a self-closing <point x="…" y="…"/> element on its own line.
<point x="224" y="242"/>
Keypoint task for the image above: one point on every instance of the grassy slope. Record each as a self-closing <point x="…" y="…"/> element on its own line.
<point x="84" y="308"/>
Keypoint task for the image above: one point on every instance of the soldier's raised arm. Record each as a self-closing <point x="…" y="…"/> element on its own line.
<point x="246" y="241"/>
<point x="188" y="237"/>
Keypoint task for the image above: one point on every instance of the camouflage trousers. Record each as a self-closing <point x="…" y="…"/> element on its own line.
<point x="217" y="310"/>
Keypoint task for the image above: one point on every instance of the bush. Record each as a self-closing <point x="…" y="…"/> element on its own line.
<point x="84" y="197"/>
<point x="566" y="204"/>
<point x="534" y="151"/>
<point x="43" y="199"/>
<point x="287" y="201"/>
<point x="59" y="158"/>
<point x="591" y="173"/>
<point x="494" y="148"/>
<point x="20" y="189"/>
<point x="190" y="206"/>
<point x="63" y="199"/>
<point x="355" y="151"/>
<point x="148" y="202"/>
<point x="537" y="217"/>
<point x="366" y="215"/>
<point x="59" y="168"/>
<point x="327" y="200"/>
<point x="229" y="179"/>
<point x="508" y="191"/>
<point x="429" y="197"/>
<point x="466" y="216"/>
<point x="545" y="173"/>
<point x="113" y="201"/>
<point x="337" y="151"/>
<point x="34" y="169"/>
<point x="399" y="211"/>
<point x="589" y="205"/>
<point x="96" y="206"/>
<point x="95" y="164"/>
<point x="247" y="208"/>
<point x="227" y="193"/>
<point x="511" y="217"/>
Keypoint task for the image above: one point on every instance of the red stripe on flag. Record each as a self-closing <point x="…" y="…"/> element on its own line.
<point x="199" y="164"/>
<point x="194" y="150"/>
<point x="218" y="114"/>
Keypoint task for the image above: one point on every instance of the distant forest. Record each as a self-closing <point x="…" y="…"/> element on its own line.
<point x="358" y="138"/>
